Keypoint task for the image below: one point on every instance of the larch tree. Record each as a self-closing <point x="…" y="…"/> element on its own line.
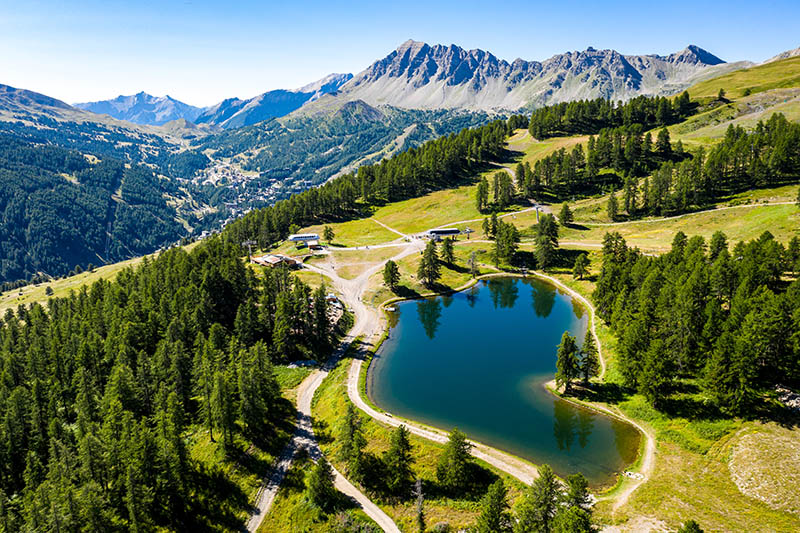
<point x="319" y="486"/>
<point x="546" y="241"/>
<point x="565" y="216"/>
<point x="612" y="207"/>
<point x="452" y="470"/>
<point x="429" y="269"/>
<point x="391" y="275"/>
<point x="448" y="257"/>
<point x="328" y="234"/>
<point x="398" y="461"/>
<point x="539" y="503"/>
<point x="590" y="362"/>
<point x="568" y="364"/>
<point x="494" y="517"/>
<point x="580" y="268"/>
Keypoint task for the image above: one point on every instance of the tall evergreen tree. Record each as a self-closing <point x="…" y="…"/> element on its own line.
<point x="612" y="207"/>
<point x="539" y="503"/>
<point x="546" y="241"/>
<point x="568" y="364"/>
<point x="319" y="486"/>
<point x="565" y="215"/>
<point x="580" y="268"/>
<point x="448" y="257"/>
<point x="391" y="275"/>
<point x="452" y="470"/>
<point x="352" y="443"/>
<point x="398" y="462"/>
<point x="429" y="268"/>
<point x="494" y="517"/>
<point x="590" y="362"/>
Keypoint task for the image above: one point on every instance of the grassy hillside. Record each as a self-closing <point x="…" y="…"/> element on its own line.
<point x="776" y="75"/>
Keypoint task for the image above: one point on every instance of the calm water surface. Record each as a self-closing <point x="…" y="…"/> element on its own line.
<point x="479" y="359"/>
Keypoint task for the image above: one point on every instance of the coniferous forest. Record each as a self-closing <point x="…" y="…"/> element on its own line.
<point x="98" y="389"/>
<point x="727" y="318"/>
<point x="656" y="178"/>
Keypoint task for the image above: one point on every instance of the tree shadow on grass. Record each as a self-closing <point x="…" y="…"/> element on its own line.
<point x="479" y="480"/>
<point x="610" y="393"/>
<point x="404" y="291"/>
<point x="215" y="501"/>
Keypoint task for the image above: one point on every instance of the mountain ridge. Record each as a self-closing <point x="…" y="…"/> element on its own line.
<point x="419" y="75"/>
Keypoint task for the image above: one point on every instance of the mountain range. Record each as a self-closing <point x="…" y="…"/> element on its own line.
<point x="421" y="76"/>
<point x="145" y="109"/>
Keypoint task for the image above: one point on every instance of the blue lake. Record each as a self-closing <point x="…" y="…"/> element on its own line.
<point x="478" y="360"/>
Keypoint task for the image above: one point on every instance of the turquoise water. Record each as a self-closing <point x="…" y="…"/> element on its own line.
<point x="478" y="360"/>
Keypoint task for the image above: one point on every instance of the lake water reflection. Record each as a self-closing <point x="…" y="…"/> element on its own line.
<point x="479" y="359"/>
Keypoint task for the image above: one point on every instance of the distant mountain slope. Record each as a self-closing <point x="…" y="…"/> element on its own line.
<point x="59" y="209"/>
<point x="784" y="55"/>
<point x="143" y="108"/>
<point x="234" y="113"/>
<point x="12" y="99"/>
<point x="421" y="76"/>
<point x="322" y="138"/>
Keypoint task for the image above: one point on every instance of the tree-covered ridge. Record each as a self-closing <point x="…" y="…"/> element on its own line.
<point x="97" y="390"/>
<point x="625" y="150"/>
<point x="590" y="116"/>
<point x="728" y="319"/>
<point x="313" y="146"/>
<point x="59" y="210"/>
<point x="767" y="156"/>
<point x="435" y="164"/>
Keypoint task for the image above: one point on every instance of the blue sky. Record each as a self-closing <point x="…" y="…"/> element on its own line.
<point x="201" y="52"/>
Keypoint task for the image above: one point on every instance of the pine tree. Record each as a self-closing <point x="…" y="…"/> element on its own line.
<point x="482" y="195"/>
<point x="452" y="470"/>
<point x="494" y="517"/>
<point x="565" y="215"/>
<point x="572" y="520"/>
<point x="590" y="363"/>
<point x="398" y="461"/>
<point x="391" y="275"/>
<point x="539" y="503"/>
<point x="567" y="365"/>
<point x="546" y="241"/>
<point x="718" y="243"/>
<point x="319" y="486"/>
<point x="282" y="329"/>
<point x="222" y="407"/>
<point x="328" y="234"/>
<point x="448" y="256"/>
<point x="612" y="207"/>
<point x="352" y="441"/>
<point x="429" y="268"/>
<point x="580" y="268"/>
<point x="577" y="492"/>
<point x="655" y="380"/>
<point x="663" y="144"/>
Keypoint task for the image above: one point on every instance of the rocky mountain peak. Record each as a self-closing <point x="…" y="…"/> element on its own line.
<point x="419" y="75"/>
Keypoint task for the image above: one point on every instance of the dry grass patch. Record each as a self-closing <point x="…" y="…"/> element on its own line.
<point x="765" y="465"/>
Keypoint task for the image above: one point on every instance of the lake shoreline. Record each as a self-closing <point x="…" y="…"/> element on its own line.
<point x="367" y="384"/>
